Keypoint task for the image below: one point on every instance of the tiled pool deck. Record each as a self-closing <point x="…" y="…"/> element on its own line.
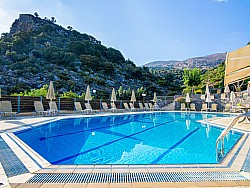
<point x="21" y="165"/>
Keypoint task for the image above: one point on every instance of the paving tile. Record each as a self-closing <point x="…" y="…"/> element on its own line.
<point x="120" y="185"/>
<point x="227" y="183"/>
<point x="119" y="166"/>
<point x="86" y="166"/>
<point x="156" y="170"/>
<point x="137" y="166"/>
<point x="164" y="185"/>
<point x="185" y="184"/>
<point x="75" y="185"/>
<point x="83" y="170"/>
<point x="120" y="170"/>
<point x="54" y="166"/>
<point x="102" y="166"/>
<point x="29" y="185"/>
<point x="67" y="166"/>
<point x="52" y="185"/>
<point x="3" y="177"/>
<point x="45" y="171"/>
<point x="97" y="185"/>
<point x="243" y="183"/>
<point x="101" y="170"/>
<point x="67" y="170"/>
<point x="206" y="184"/>
<point x="14" y="185"/>
<point x="143" y="185"/>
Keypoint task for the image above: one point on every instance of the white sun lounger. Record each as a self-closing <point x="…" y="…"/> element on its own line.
<point x="6" y="108"/>
<point x="39" y="109"/>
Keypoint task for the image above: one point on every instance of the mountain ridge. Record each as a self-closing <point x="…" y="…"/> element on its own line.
<point x="202" y="62"/>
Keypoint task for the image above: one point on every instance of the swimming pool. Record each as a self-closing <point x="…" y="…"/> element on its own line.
<point x="143" y="138"/>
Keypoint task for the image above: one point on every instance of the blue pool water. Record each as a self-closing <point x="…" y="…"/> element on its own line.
<point x="150" y="138"/>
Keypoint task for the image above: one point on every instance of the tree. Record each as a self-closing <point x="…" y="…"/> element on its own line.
<point x="36" y="14"/>
<point x="53" y="20"/>
<point x="89" y="61"/>
<point x="248" y="43"/>
<point x="192" y="77"/>
<point x="69" y="94"/>
<point x="70" y="28"/>
<point x="34" y="92"/>
<point x="120" y="92"/>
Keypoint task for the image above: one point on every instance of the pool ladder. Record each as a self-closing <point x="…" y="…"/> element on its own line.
<point x="220" y="153"/>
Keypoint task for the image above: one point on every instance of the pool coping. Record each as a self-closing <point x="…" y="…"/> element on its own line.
<point x="45" y="167"/>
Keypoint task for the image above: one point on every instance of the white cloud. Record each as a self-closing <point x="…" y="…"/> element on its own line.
<point x="220" y="1"/>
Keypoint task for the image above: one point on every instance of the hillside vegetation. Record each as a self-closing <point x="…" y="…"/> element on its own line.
<point x="38" y="50"/>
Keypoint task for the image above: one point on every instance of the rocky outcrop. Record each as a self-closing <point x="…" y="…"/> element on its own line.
<point x="26" y="23"/>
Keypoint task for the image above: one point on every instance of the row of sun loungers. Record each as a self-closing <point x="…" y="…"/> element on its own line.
<point x="214" y="106"/>
<point x="6" y="108"/>
<point x="203" y="108"/>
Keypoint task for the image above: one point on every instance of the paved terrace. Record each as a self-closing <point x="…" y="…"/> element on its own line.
<point x="23" y="167"/>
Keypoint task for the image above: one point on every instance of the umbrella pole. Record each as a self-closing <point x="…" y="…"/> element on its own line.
<point x="88" y="105"/>
<point x="50" y="104"/>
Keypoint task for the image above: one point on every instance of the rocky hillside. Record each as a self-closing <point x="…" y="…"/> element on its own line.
<point x="204" y="62"/>
<point x="38" y="50"/>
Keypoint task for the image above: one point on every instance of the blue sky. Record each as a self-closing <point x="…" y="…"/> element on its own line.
<point x="147" y="30"/>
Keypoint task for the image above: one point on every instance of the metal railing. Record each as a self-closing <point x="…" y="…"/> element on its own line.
<point x="221" y="152"/>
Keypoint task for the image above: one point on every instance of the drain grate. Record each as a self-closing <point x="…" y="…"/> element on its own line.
<point x="10" y="162"/>
<point x="136" y="177"/>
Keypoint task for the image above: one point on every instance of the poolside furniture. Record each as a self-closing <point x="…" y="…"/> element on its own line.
<point x="105" y="107"/>
<point x="126" y="106"/>
<point x="132" y="107"/>
<point x="235" y="109"/>
<point x="214" y="107"/>
<point x="203" y="97"/>
<point x="54" y="110"/>
<point x="89" y="109"/>
<point x="78" y="107"/>
<point x="204" y="107"/>
<point x="39" y="109"/>
<point x="113" y="108"/>
<point x="227" y="107"/>
<point x="6" y="108"/>
<point x="141" y="106"/>
<point x="183" y="106"/>
<point x="245" y="96"/>
<point x="223" y="96"/>
<point x="156" y="107"/>
<point x="151" y="106"/>
<point x="192" y="107"/>
<point x="146" y="106"/>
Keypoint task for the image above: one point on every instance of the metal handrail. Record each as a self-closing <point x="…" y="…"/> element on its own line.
<point x="220" y="153"/>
